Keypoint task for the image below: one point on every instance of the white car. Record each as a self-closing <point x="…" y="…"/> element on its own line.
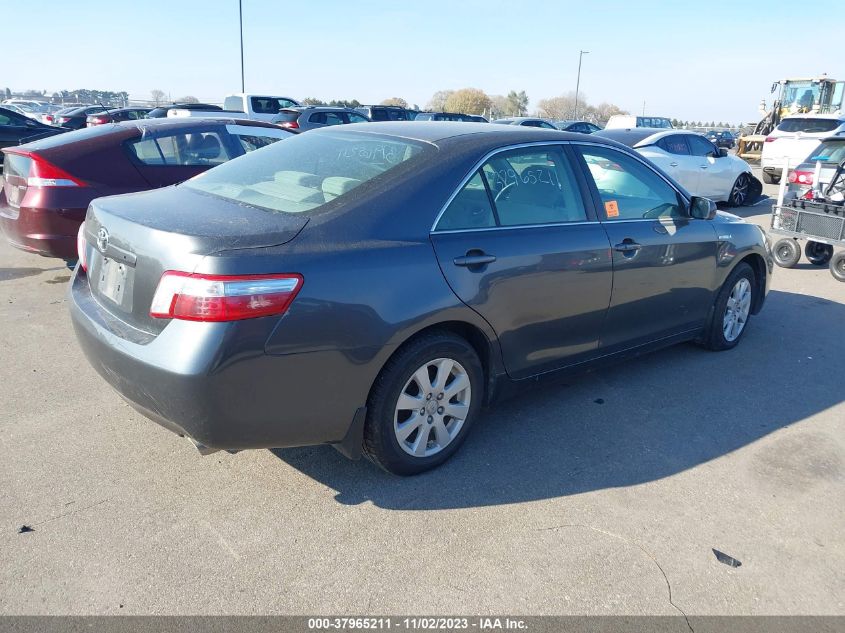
<point x="627" y="121"/>
<point x="692" y="160"/>
<point x="794" y="138"/>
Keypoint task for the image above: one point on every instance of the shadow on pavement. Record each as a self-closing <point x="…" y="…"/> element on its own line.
<point x="635" y="422"/>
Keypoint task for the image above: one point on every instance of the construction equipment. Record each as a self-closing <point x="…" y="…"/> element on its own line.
<point x="818" y="95"/>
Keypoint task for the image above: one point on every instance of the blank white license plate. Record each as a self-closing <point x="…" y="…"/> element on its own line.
<point x="113" y="280"/>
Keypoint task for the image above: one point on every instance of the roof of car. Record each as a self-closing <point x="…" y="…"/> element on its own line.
<point x="636" y="135"/>
<point x="484" y="134"/>
<point x="128" y="129"/>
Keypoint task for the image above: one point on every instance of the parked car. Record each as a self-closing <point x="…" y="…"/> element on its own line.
<point x="51" y="118"/>
<point x="582" y="127"/>
<point x="50" y="183"/>
<point x="623" y="121"/>
<point x="387" y="113"/>
<point x="692" y="160"/>
<point x="721" y="138"/>
<point x="245" y="106"/>
<point x="794" y="138"/>
<point x="116" y="116"/>
<point x="373" y="287"/>
<point x="304" y="118"/>
<point x="526" y="121"/>
<point x="449" y="116"/>
<point x="77" y="118"/>
<point x="16" y="128"/>
<point x="830" y="153"/>
<point x="161" y="111"/>
<point x="23" y="111"/>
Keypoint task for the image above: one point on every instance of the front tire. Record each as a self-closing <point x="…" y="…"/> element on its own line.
<point x="817" y="253"/>
<point x="786" y="252"/>
<point x="731" y="310"/>
<point x="423" y="404"/>
<point x="739" y="193"/>
<point x="837" y="266"/>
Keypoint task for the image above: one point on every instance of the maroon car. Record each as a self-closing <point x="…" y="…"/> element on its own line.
<point x="49" y="183"/>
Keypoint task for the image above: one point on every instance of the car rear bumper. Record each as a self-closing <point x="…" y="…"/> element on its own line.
<point x="47" y="232"/>
<point x="192" y="379"/>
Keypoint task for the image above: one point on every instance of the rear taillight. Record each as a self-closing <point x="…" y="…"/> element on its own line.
<point x="80" y="247"/>
<point x="48" y="118"/>
<point x="197" y="297"/>
<point x="97" y="120"/>
<point x="45" y="174"/>
<point x="289" y="124"/>
<point x="770" y="139"/>
<point x="62" y="120"/>
<point x="801" y="177"/>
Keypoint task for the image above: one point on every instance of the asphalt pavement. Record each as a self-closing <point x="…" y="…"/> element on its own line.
<point x="606" y="495"/>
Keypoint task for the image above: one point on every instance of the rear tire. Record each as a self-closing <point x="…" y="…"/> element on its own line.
<point x="769" y="179"/>
<point x="732" y="310"/>
<point x="817" y="253"/>
<point x="423" y="404"/>
<point x="786" y="252"/>
<point x="837" y="266"/>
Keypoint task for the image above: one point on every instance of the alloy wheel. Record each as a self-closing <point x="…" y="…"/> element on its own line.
<point x="432" y="407"/>
<point x="740" y="191"/>
<point x="737" y="310"/>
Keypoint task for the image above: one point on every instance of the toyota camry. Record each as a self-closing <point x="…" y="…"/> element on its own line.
<point x="374" y="287"/>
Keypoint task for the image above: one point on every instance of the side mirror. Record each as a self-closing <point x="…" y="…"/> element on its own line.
<point x="722" y="152"/>
<point x="702" y="208"/>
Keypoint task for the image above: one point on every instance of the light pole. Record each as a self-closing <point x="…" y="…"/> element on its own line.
<point x="241" y="20"/>
<point x="578" y="82"/>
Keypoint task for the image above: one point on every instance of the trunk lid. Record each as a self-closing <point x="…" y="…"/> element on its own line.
<point x="132" y="239"/>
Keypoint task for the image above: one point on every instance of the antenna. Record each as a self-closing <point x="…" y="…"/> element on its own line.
<point x="100" y="103"/>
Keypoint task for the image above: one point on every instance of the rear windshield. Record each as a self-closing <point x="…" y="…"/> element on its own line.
<point x="309" y="170"/>
<point x="808" y="125"/>
<point x="286" y="116"/>
<point x="829" y="152"/>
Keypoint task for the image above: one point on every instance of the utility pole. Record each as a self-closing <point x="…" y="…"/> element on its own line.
<point x="578" y="81"/>
<point x="241" y="20"/>
<point x="643" y="108"/>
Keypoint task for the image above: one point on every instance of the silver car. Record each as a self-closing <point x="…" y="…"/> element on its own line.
<point x="304" y="118"/>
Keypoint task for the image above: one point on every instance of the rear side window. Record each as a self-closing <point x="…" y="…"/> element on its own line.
<point x="808" y="125"/>
<point x="309" y="170"/>
<point x="353" y="117"/>
<point x="523" y="188"/>
<point x="675" y="144"/>
<point x="187" y="149"/>
<point x="378" y="114"/>
<point x="253" y="138"/>
<point x="327" y="118"/>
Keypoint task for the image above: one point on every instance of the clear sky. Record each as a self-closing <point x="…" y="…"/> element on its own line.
<point x="688" y="60"/>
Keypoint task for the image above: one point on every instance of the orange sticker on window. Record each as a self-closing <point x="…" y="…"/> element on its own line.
<point x="611" y="208"/>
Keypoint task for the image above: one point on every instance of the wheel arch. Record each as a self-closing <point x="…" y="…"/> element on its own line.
<point x="487" y="349"/>
<point x="758" y="265"/>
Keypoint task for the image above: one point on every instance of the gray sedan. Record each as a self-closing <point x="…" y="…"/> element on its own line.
<point x="374" y="287"/>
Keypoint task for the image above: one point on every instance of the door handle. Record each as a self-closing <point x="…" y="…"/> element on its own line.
<point x="474" y="258"/>
<point x="627" y="246"/>
<point x="673" y="164"/>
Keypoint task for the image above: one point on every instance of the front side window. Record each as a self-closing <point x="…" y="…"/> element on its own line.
<point x="629" y="189"/>
<point x="269" y="105"/>
<point x="309" y="170"/>
<point x="186" y="149"/>
<point x="700" y="146"/>
<point x="354" y="117"/>
<point x="523" y="187"/>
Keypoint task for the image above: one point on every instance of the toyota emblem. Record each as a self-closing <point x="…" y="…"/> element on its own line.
<point x="102" y="240"/>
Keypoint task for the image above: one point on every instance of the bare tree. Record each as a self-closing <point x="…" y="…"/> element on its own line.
<point x="157" y="96"/>
<point x="500" y="107"/>
<point x="395" y="101"/>
<point x="188" y="99"/>
<point x="437" y="103"/>
<point x="557" y="108"/>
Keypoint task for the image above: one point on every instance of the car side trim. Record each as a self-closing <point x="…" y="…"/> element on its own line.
<point x="516" y="226"/>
